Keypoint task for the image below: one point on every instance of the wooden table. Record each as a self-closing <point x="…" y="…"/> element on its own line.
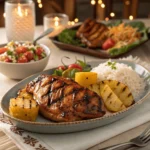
<point x="143" y="52"/>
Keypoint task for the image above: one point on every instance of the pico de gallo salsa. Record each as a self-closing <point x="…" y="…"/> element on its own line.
<point x="15" y="52"/>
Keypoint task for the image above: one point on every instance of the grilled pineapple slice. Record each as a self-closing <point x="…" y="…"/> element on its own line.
<point x="24" y="109"/>
<point x="86" y="78"/>
<point x="95" y="88"/>
<point x="111" y="101"/>
<point x="120" y="89"/>
<point x="24" y="94"/>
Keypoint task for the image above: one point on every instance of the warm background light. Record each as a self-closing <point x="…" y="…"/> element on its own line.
<point x="106" y="19"/>
<point x="38" y="1"/>
<point x="69" y="23"/>
<point x="76" y="20"/>
<point x="93" y="2"/>
<point x="130" y="17"/>
<point x="103" y="5"/>
<point x="100" y="2"/>
<point x="127" y="2"/>
<point x="112" y="14"/>
<point x="40" y="5"/>
<point x="72" y="23"/>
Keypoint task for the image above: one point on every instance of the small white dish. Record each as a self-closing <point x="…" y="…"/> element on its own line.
<point x="23" y="70"/>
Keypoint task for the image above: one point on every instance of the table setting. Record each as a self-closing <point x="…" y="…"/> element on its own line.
<point x="40" y="55"/>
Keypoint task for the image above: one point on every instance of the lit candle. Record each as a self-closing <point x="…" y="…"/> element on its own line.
<point x="20" y="21"/>
<point x="56" y="21"/>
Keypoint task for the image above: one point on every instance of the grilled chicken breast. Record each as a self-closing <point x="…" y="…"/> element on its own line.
<point x="92" y="33"/>
<point x="63" y="100"/>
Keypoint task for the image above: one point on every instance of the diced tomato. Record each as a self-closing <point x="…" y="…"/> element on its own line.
<point x="39" y="51"/>
<point x="28" y="55"/>
<point x="3" y="50"/>
<point x="62" y="68"/>
<point x="22" y="59"/>
<point x="7" y="59"/>
<point x="21" y="49"/>
<point x="108" y="44"/>
<point x="76" y="66"/>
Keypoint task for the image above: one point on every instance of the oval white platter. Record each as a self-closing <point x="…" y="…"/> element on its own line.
<point x="46" y="126"/>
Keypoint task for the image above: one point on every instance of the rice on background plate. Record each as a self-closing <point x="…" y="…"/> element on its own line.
<point x="122" y="73"/>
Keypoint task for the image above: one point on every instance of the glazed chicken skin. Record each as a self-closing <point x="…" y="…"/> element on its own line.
<point x="63" y="100"/>
<point x="92" y="33"/>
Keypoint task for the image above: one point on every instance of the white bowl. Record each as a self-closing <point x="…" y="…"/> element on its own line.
<point x="23" y="70"/>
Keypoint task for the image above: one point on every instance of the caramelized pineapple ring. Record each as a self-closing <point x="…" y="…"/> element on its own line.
<point x="24" y="109"/>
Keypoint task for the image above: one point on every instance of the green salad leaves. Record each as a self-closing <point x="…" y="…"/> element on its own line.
<point x="70" y="70"/>
<point x="68" y="36"/>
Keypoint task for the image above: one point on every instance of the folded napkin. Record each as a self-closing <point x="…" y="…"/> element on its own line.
<point x="79" y="140"/>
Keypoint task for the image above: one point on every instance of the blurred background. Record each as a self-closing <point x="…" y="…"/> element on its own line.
<point x="79" y="10"/>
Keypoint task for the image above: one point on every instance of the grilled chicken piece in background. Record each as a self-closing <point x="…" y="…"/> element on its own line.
<point x="92" y="33"/>
<point x="85" y="27"/>
<point x="64" y="100"/>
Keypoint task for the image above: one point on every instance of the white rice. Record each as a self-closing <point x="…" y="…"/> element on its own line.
<point x="124" y="74"/>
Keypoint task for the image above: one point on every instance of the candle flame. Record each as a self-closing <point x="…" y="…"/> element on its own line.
<point x="19" y="10"/>
<point x="56" y="19"/>
<point x="56" y="23"/>
<point x="26" y="12"/>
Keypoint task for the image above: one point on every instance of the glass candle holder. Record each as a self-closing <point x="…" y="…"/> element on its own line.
<point x="57" y="21"/>
<point x="20" y="20"/>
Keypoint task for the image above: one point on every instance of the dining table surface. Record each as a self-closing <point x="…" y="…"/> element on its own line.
<point x="143" y="52"/>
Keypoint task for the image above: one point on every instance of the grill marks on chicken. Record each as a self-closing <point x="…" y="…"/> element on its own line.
<point x="62" y="99"/>
<point x="92" y="33"/>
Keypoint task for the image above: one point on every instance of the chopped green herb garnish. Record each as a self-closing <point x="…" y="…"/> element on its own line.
<point x="9" y="52"/>
<point x="112" y="65"/>
<point x="20" y="55"/>
<point x="32" y="49"/>
<point x="43" y="55"/>
<point x="36" y="57"/>
<point x="14" y="60"/>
